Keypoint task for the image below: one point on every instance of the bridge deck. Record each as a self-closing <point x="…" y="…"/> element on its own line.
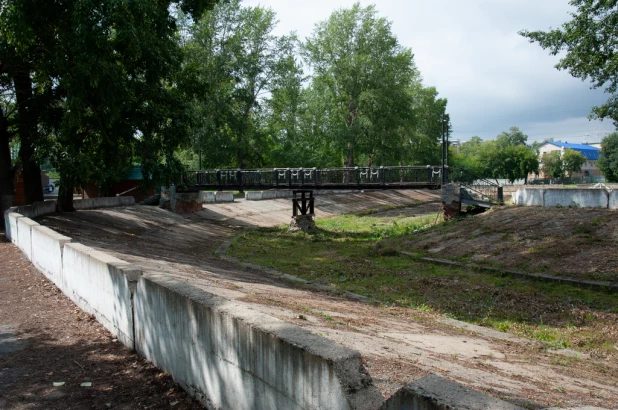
<point x="314" y="178"/>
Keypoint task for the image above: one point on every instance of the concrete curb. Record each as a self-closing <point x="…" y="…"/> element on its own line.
<point x="435" y="393"/>
<point x="49" y="207"/>
<point x="583" y="283"/>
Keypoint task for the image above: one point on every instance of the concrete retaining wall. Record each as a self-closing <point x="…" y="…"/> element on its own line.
<point x="10" y="223"/>
<point x="103" y="202"/>
<point x="529" y="197"/>
<point x="101" y="285"/>
<point x="435" y="393"/>
<point x="47" y="248"/>
<point x="207" y="197"/>
<point x="24" y="235"/>
<point x="613" y="200"/>
<point x="232" y="357"/>
<point x="36" y="209"/>
<point x="224" y="196"/>
<point x="584" y="198"/>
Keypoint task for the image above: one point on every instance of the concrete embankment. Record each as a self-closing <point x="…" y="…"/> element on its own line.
<point x="224" y="353"/>
<point x="583" y="198"/>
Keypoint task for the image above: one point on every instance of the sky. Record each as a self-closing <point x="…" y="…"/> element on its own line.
<point x="470" y="51"/>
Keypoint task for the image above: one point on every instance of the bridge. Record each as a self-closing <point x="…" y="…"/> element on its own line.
<point x="475" y="191"/>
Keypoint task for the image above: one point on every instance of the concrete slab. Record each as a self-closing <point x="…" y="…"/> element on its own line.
<point x="435" y="393"/>
<point x="47" y="248"/>
<point x="224" y="196"/>
<point x="613" y="200"/>
<point x="582" y="198"/>
<point x="99" y="284"/>
<point x="529" y="197"/>
<point x="10" y="223"/>
<point x="24" y="233"/>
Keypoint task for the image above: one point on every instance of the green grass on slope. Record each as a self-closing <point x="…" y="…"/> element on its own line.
<point x="346" y="252"/>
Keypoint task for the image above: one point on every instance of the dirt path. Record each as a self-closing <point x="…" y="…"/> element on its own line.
<point x="45" y="338"/>
<point x="398" y="345"/>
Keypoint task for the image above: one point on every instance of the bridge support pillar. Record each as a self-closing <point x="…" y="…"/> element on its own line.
<point x="303" y="211"/>
<point x="451" y="201"/>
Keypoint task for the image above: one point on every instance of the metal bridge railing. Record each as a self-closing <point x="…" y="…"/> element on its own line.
<point x="480" y="189"/>
<point x="269" y="178"/>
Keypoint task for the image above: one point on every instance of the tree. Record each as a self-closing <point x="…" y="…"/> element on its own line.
<point x="608" y="160"/>
<point x="552" y="164"/>
<point x="94" y="86"/>
<point x="507" y="156"/>
<point x="590" y="40"/>
<point x="511" y="138"/>
<point x="572" y="161"/>
<point x="361" y="76"/>
<point x="235" y="62"/>
<point x="558" y="165"/>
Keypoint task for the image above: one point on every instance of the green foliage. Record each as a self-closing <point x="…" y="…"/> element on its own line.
<point x="360" y="254"/>
<point x="608" y="160"/>
<point x="505" y="157"/>
<point x="233" y="61"/>
<point x="572" y="161"/>
<point x="103" y="78"/>
<point x="367" y="90"/>
<point x="589" y="40"/>
<point x="552" y="164"/>
<point x="558" y="165"/>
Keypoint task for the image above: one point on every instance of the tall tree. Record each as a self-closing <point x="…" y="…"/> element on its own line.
<point x="572" y="161"/>
<point x="590" y="40"/>
<point x="94" y="84"/>
<point x="552" y="164"/>
<point x="558" y="164"/>
<point x="608" y="160"/>
<point x="362" y="75"/>
<point x="236" y="61"/>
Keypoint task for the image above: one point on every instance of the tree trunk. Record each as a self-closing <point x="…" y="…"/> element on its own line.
<point x="65" y="197"/>
<point x="7" y="189"/>
<point x="27" y="127"/>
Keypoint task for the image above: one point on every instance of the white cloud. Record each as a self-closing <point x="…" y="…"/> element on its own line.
<point x="471" y="52"/>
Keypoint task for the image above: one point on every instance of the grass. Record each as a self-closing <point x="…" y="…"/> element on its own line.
<point x="348" y="252"/>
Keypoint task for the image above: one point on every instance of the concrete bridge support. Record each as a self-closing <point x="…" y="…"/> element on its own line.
<point x="451" y="200"/>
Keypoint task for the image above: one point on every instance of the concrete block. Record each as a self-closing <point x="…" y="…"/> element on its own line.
<point x="24" y="234"/>
<point x="126" y="201"/>
<point x="101" y="285"/>
<point x="224" y="196"/>
<point x="232" y="357"/>
<point x="83" y="204"/>
<point x="254" y="195"/>
<point x="47" y="248"/>
<point x="43" y="208"/>
<point x="613" y="200"/>
<point x="10" y="224"/>
<point x="528" y="197"/>
<point x="283" y="194"/>
<point x="435" y="393"/>
<point x="207" y="197"/>
<point x="103" y="202"/>
<point x="583" y="198"/>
